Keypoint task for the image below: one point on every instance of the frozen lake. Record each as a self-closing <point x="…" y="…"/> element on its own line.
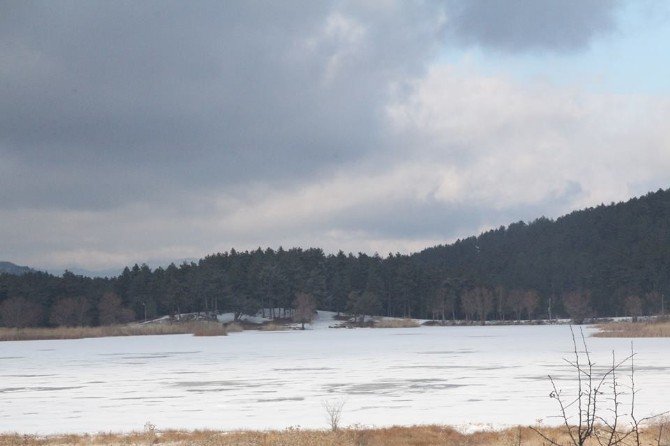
<point x="447" y="375"/>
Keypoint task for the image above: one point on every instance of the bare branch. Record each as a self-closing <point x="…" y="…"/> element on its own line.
<point x="598" y="393"/>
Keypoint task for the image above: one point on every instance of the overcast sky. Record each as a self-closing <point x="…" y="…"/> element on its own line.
<point x="153" y="131"/>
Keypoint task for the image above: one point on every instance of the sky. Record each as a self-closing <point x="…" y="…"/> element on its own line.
<point x="156" y="131"/>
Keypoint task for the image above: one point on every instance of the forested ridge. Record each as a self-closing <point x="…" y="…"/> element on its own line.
<point x="603" y="261"/>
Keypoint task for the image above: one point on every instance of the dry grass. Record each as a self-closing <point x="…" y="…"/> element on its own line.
<point x="396" y="323"/>
<point x="209" y="328"/>
<point x="29" y="334"/>
<point x="393" y="436"/>
<point x="634" y="330"/>
<point x="234" y="327"/>
<point x="271" y="326"/>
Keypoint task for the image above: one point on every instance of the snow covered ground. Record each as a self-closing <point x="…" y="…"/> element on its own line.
<point x="494" y="375"/>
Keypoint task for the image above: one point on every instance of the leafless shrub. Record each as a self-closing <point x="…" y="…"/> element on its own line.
<point x="597" y="412"/>
<point x="150" y="433"/>
<point x="334" y="412"/>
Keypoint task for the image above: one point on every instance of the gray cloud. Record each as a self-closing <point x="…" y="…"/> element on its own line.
<point x="531" y="25"/>
<point x="160" y="130"/>
<point x="107" y="102"/>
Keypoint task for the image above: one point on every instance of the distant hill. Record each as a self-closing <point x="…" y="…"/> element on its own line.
<point x="11" y="268"/>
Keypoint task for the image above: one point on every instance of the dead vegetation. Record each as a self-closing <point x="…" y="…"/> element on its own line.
<point x="392" y="436"/>
<point x="234" y="327"/>
<point x="348" y="321"/>
<point x="207" y="328"/>
<point x="334" y="412"/>
<point x="660" y="329"/>
<point x="601" y="410"/>
<point x="271" y="326"/>
<point x="396" y="323"/>
<point x="198" y="328"/>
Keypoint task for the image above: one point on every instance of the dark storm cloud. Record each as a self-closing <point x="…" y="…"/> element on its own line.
<point x="523" y="25"/>
<point x="103" y="102"/>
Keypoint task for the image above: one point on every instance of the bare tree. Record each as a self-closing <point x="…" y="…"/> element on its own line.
<point x="480" y="301"/>
<point x="70" y="312"/>
<point x="530" y="303"/>
<point x="334" y="412"/>
<point x="18" y="312"/>
<point x="362" y="304"/>
<point x="444" y="300"/>
<point x="111" y="310"/>
<point x="520" y="301"/>
<point x="595" y="412"/>
<point x="656" y="302"/>
<point x="304" y="307"/>
<point x="500" y="302"/>
<point x="633" y="306"/>
<point x="469" y="305"/>
<point x="578" y="305"/>
<point x="515" y="301"/>
<point x="438" y="304"/>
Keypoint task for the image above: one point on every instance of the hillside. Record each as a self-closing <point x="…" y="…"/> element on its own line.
<point x="11" y="268"/>
<point x="611" y="250"/>
<point x="604" y="261"/>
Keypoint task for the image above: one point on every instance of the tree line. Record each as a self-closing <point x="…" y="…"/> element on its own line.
<point x="604" y="261"/>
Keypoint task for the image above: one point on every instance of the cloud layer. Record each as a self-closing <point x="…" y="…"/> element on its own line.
<point x="531" y="25"/>
<point x="159" y="130"/>
<point x="115" y="102"/>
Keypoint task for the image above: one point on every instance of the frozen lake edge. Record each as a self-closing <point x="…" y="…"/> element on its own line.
<point x="492" y="376"/>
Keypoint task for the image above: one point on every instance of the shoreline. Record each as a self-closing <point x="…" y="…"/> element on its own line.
<point x="607" y="327"/>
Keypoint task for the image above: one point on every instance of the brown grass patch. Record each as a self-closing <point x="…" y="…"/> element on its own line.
<point x="633" y="330"/>
<point x="271" y="326"/>
<point x="396" y="323"/>
<point x="210" y="328"/>
<point x="31" y="334"/>
<point x="234" y="327"/>
<point x="392" y="436"/>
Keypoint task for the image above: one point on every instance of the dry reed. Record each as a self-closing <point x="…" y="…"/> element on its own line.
<point x="633" y="330"/>
<point x="30" y="334"/>
<point x="396" y="323"/>
<point x="273" y="327"/>
<point x="234" y="327"/>
<point x="392" y="436"/>
<point x="209" y="328"/>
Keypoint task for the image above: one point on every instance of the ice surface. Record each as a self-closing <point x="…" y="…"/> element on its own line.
<point x="494" y="375"/>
